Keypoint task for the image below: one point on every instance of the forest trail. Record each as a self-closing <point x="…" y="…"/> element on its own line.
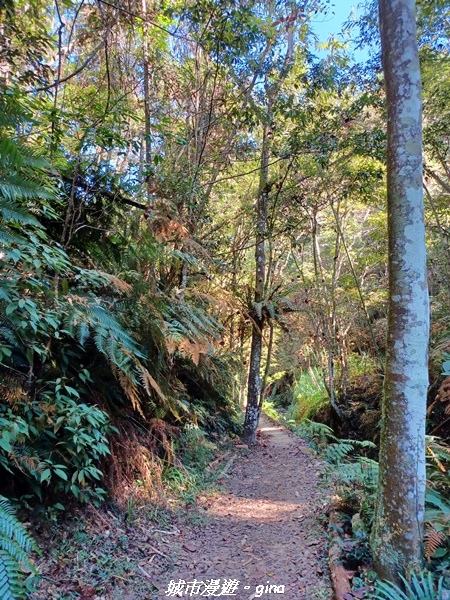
<point x="263" y="531"/>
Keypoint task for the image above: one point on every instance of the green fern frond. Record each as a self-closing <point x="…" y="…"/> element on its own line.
<point x="10" y="154"/>
<point x="15" y="546"/>
<point x="7" y="239"/>
<point x="10" y="580"/>
<point x="337" y="452"/>
<point x="11" y="211"/>
<point x="317" y="433"/>
<point x="17" y="187"/>
<point x="419" y="588"/>
<point x="363" y="471"/>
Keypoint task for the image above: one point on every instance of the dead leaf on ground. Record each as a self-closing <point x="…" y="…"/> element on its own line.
<point x="189" y="546"/>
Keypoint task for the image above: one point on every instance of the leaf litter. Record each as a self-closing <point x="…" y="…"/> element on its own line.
<point x="264" y="527"/>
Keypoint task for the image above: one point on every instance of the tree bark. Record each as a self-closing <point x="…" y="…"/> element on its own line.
<point x="271" y="89"/>
<point x="397" y="533"/>
<point x="253" y="407"/>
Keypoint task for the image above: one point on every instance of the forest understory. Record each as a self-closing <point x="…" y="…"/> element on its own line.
<point x="255" y="528"/>
<point x="197" y="215"/>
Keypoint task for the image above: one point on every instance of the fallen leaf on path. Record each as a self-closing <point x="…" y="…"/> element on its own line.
<point x="87" y="591"/>
<point x="189" y="546"/>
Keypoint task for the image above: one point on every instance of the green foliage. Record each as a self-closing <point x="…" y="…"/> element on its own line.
<point x="22" y="169"/>
<point x="56" y="440"/>
<point x="355" y="479"/>
<point x="270" y="410"/>
<point x="437" y="529"/>
<point x="318" y="435"/>
<point x="342" y="450"/>
<point x="187" y="479"/>
<point x="310" y="396"/>
<point x="15" y="547"/>
<point x="419" y="587"/>
<point x="438" y="465"/>
<point x="62" y="316"/>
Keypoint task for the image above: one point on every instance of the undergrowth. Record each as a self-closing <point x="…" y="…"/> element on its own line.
<point x="419" y="587"/>
<point x="16" y="545"/>
<point x="354" y="477"/>
<point x="187" y="478"/>
<point x="310" y="396"/>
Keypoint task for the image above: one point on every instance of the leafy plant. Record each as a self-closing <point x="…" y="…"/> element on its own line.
<point x="318" y="435"/>
<point x="270" y="410"/>
<point x="341" y="450"/>
<point x="310" y="396"/>
<point x="437" y="526"/>
<point x="420" y="587"/>
<point x="56" y="440"/>
<point x="15" y="547"/>
<point x="438" y="464"/>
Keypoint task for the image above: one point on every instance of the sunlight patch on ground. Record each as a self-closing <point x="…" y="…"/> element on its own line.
<point x="269" y="428"/>
<point x="263" y="511"/>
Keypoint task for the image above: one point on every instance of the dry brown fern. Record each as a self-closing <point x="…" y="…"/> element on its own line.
<point x="193" y="350"/>
<point x="168" y="230"/>
<point x="139" y="454"/>
<point x="433" y="540"/>
<point x="12" y="389"/>
<point x="129" y="386"/>
<point x="371" y="418"/>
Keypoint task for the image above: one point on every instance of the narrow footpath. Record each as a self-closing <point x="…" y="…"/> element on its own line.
<point x="263" y="537"/>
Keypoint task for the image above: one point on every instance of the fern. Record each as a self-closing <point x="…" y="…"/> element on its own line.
<point x="318" y="434"/>
<point x="437" y="524"/>
<point x="15" y="547"/>
<point x="337" y="452"/>
<point x="434" y="539"/>
<point x="418" y="588"/>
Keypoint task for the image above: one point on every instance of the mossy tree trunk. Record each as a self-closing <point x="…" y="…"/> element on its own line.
<point x="254" y="380"/>
<point x="397" y="533"/>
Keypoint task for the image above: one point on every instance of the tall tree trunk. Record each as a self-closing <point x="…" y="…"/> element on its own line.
<point x="268" y="363"/>
<point x="254" y="384"/>
<point x="397" y="534"/>
<point x="148" y="139"/>
<point x="253" y="407"/>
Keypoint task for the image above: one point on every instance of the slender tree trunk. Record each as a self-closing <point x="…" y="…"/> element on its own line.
<point x="254" y="383"/>
<point x="253" y="408"/>
<point x="397" y="534"/>
<point x="5" y="65"/>
<point x="268" y="363"/>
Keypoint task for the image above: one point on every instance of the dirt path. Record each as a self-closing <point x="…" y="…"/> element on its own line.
<point x="263" y="537"/>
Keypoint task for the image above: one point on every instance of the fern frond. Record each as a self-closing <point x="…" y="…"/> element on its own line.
<point x="337" y="452"/>
<point x="15" y="546"/>
<point x="419" y="588"/>
<point x="150" y="384"/>
<point x="8" y="238"/>
<point x="130" y="389"/>
<point x="10" y="578"/>
<point x="10" y="155"/>
<point x="433" y="540"/>
<point x="11" y="211"/>
<point x="17" y="187"/>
